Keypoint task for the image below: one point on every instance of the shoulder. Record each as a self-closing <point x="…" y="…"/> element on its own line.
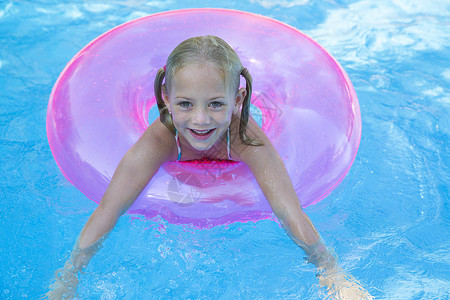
<point x="265" y="163"/>
<point x="252" y="155"/>
<point x="158" y="141"/>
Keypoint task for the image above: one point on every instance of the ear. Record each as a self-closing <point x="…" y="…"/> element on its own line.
<point x="239" y="99"/>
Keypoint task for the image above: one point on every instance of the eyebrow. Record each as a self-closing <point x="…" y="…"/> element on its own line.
<point x="187" y="98"/>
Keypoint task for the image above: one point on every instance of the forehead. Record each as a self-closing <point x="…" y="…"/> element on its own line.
<point x="195" y="68"/>
<point x="199" y="77"/>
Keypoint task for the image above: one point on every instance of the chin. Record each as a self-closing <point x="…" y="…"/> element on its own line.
<point x="201" y="146"/>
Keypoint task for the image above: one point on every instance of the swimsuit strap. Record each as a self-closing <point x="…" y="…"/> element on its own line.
<point x="178" y="145"/>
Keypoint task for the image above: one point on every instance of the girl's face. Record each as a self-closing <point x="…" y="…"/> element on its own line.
<point x="202" y="104"/>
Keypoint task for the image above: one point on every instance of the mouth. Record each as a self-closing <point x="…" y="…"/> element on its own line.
<point x="201" y="134"/>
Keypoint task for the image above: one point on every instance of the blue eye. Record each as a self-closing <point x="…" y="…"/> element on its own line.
<point x="185" y="104"/>
<point x="216" y="104"/>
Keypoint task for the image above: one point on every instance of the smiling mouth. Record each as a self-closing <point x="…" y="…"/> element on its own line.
<point x="201" y="134"/>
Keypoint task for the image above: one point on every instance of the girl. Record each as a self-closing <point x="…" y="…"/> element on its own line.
<point x="203" y="114"/>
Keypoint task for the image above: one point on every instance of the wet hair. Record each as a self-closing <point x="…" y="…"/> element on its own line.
<point x="201" y="50"/>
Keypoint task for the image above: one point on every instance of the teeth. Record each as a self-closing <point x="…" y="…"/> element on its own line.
<point x="201" y="131"/>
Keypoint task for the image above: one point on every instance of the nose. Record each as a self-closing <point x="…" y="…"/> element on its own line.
<point x="200" y="117"/>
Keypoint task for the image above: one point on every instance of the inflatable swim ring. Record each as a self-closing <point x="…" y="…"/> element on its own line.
<point x="101" y="102"/>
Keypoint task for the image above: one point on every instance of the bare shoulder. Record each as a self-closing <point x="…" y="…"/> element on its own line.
<point x="138" y="166"/>
<point x="157" y="141"/>
<point x="253" y="155"/>
<point x="269" y="170"/>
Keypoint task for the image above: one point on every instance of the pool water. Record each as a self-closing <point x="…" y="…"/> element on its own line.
<point x="388" y="221"/>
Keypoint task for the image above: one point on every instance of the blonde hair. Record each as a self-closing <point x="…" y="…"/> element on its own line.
<point x="200" y="50"/>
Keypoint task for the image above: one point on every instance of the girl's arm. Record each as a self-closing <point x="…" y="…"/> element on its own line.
<point x="131" y="176"/>
<point x="274" y="181"/>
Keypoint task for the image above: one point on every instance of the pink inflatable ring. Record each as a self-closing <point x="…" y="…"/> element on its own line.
<point x="101" y="102"/>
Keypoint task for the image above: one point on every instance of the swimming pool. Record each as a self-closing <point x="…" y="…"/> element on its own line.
<point x="387" y="221"/>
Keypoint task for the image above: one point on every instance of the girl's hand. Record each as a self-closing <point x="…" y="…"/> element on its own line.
<point x="65" y="284"/>
<point x="340" y="285"/>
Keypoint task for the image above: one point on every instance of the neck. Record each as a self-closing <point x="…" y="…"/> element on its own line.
<point x="215" y="151"/>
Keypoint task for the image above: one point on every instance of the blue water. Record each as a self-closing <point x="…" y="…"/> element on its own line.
<point x="388" y="221"/>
